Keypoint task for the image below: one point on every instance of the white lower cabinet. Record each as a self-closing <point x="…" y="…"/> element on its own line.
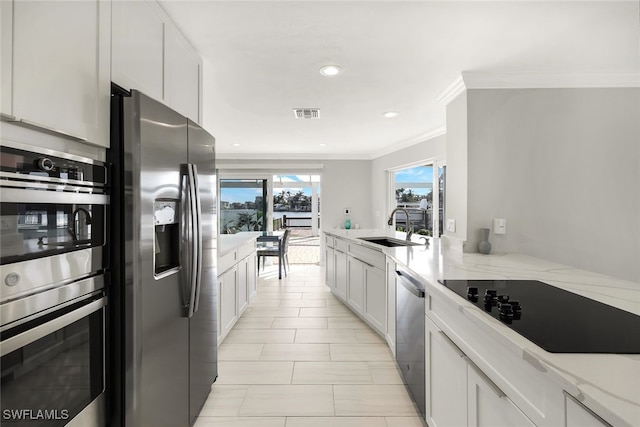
<point x="459" y="393"/>
<point x="341" y="275"/>
<point x="243" y="291"/>
<point x="488" y="406"/>
<point x="236" y="286"/>
<point x="375" y="294"/>
<point x="330" y="268"/>
<point x="357" y="275"/>
<point x="579" y="416"/>
<point x="391" y="305"/>
<point x="446" y="380"/>
<point x="228" y="293"/>
<point x="355" y="285"/>
<point x="252" y="276"/>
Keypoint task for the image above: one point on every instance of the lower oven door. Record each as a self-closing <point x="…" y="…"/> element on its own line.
<point x="53" y="368"/>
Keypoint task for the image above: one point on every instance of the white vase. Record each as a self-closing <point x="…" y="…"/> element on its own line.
<point x="484" y="247"/>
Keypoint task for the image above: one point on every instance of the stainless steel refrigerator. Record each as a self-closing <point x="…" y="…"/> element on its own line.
<point x="163" y="357"/>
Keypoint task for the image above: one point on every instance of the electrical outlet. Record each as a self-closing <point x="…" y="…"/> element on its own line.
<point x="499" y="226"/>
<point x="451" y="225"/>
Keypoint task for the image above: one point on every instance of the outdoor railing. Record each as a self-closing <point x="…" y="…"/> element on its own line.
<point x="297" y="221"/>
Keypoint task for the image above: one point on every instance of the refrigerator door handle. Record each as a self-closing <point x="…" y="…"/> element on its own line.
<point x="195" y="239"/>
<point x="198" y="241"/>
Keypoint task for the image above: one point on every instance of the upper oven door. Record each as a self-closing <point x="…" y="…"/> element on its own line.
<point x="51" y="203"/>
<point x="36" y="224"/>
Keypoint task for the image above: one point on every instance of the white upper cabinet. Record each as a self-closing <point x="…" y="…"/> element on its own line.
<point x="138" y="48"/>
<point x="182" y="75"/>
<point x="151" y="55"/>
<point x="6" y="47"/>
<point x="58" y="77"/>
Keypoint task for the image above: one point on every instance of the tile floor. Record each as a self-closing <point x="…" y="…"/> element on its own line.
<point x="299" y="358"/>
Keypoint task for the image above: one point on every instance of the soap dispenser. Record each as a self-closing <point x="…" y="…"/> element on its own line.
<point x="347" y="220"/>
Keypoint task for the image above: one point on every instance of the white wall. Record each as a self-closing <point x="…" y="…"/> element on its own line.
<point x="346" y="184"/>
<point x="457" y="162"/>
<point x="562" y="166"/>
<point x="423" y="152"/>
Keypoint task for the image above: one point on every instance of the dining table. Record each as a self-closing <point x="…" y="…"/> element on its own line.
<point x="274" y="237"/>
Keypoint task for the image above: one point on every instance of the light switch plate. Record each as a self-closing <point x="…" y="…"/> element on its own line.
<point x="499" y="226"/>
<point x="451" y="225"/>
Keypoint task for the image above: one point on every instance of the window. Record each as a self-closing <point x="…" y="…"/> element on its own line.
<point x="414" y="191"/>
<point x="243" y="204"/>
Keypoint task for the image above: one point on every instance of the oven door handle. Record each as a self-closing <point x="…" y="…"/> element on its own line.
<point x="19" y="195"/>
<point x="27" y="337"/>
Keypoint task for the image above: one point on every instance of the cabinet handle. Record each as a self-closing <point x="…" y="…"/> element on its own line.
<point x="582" y="405"/>
<point x="493" y="386"/>
<point x="41" y="128"/>
<point x="455" y="347"/>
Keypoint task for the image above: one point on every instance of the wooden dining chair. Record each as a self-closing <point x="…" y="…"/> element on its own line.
<point x="272" y="251"/>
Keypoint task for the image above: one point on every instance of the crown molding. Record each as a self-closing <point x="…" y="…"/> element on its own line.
<point x="452" y="90"/>
<point x="260" y="157"/>
<point x="433" y="133"/>
<point x="471" y="80"/>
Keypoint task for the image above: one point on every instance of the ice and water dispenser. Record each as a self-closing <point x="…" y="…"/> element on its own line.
<point x="167" y="236"/>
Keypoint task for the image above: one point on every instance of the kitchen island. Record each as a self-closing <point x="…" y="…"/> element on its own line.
<point x="547" y="388"/>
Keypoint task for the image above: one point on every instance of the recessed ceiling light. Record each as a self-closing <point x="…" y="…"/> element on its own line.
<point x="391" y="114"/>
<point x="330" y="70"/>
<point x="236" y="144"/>
<point x="323" y="145"/>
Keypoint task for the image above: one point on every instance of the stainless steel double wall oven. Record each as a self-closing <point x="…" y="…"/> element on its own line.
<point x="52" y="290"/>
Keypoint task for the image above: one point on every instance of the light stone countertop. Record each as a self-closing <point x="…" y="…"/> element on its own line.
<point x="608" y="384"/>
<point x="229" y="242"/>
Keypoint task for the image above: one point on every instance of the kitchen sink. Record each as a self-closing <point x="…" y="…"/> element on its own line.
<point x="389" y="242"/>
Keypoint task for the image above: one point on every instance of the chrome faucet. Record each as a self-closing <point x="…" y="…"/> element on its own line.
<point x="74" y="229"/>
<point x="409" y="226"/>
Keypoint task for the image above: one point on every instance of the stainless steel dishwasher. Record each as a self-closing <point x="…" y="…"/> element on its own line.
<point x="410" y="335"/>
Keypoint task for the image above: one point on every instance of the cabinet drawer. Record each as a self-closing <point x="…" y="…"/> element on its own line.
<point x="341" y="245"/>
<point x="328" y="241"/>
<point x="368" y="255"/>
<point x="227" y="261"/>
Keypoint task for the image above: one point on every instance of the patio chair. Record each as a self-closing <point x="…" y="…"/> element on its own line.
<point x="272" y="251"/>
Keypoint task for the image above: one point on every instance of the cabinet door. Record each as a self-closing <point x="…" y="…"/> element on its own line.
<point x="341" y="275"/>
<point x="137" y="48"/>
<point x="243" y="294"/>
<point x="489" y="406"/>
<point x="182" y="75"/>
<point x="6" y="49"/>
<point x="329" y="268"/>
<point x="375" y="304"/>
<point x="60" y="76"/>
<point x="251" y="276"/>
<point x="446" y="380"/>
<point x="579" y="416"/>
<point x="355" y="285"/>
<point x="228" y="300"/>
<point x="391" y="305"/>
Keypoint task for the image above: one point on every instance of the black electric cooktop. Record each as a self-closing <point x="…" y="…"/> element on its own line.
<point x="559" y="321"/>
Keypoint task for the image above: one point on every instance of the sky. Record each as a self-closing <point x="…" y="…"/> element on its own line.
<point x="416" y="174"/>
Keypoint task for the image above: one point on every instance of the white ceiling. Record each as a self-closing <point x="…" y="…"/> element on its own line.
<point x="261" y="60"/>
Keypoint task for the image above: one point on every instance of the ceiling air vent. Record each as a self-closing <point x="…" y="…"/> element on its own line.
<point x="306" y="113"/>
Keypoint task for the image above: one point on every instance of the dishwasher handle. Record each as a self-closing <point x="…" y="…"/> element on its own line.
<point x="410" y="283"/>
